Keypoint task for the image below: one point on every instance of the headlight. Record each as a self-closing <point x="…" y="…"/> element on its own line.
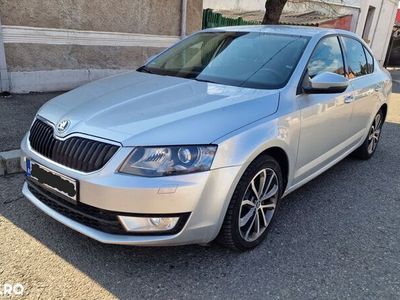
<point x="164" y="161"/>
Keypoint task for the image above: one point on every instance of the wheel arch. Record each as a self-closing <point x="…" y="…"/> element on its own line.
<point x="275" y="151"/>
<point x="280" y="155"/>
<point x="384" y="109"/>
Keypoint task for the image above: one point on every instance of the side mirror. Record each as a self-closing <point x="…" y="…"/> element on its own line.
<point x="326" y="83"/>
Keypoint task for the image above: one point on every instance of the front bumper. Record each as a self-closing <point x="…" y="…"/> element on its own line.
<point x="204" y="197"/>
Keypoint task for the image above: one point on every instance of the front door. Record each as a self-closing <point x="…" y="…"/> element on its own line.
<point x="325" y="118"/>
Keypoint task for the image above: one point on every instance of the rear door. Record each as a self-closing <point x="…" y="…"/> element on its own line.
<point x="324" y="117"/>
<point x="365" y="83"/>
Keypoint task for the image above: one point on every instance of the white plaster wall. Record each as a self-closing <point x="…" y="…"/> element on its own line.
<point x="382" y="25"/>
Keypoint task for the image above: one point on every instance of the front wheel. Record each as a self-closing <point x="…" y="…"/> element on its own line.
<point x="253" y="205"/>
<point x="367" y="149"/>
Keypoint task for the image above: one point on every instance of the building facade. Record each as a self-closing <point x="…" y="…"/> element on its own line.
<point x="372" y="20"/>
<point x="48" y="45"/>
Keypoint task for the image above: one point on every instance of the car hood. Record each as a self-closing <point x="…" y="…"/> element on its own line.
<point x="145" y="109"/>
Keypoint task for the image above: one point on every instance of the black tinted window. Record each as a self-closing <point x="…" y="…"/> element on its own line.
<point x="356" y="60"/>
<point x="370" y="61"/>
<point x="327" y="57"/>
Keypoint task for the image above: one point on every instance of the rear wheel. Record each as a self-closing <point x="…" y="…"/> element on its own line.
<point x="253" y="205"/>
<point x="367" y="149"/>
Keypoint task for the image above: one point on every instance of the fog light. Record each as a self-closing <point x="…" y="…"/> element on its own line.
<point x="155" y="221"/>
<point x="139" y="224"/>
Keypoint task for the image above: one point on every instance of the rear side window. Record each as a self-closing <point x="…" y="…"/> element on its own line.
<point x="327" y="57"/>
<point x="370" y="61"/>
<point x="356" y="60"/>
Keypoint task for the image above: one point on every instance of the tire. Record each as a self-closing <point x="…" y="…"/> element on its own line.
<point x="235" y="232"/>
<point x="368" y="148"/>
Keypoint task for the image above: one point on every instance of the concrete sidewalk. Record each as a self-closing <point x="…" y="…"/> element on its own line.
<point x="394" y="102"/>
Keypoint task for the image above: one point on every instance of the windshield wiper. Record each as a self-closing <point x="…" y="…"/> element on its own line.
<point x="204" y="80"/>
<point x="145" y="70"/>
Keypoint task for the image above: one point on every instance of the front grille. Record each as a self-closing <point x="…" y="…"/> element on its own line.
<point x="76" y="152"/>
<point x="97" y="218"/>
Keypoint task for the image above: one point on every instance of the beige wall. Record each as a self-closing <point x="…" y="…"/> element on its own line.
<point x="71" y="41"/>
<point x="137" y="16"/>
<point x="194" y="15"/>
<point x="39" y="57"/>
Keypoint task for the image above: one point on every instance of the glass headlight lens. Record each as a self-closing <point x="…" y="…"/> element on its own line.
<point x="164" y="161"/>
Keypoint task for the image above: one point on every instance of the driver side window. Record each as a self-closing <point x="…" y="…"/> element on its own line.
<point x="327" y="57"/>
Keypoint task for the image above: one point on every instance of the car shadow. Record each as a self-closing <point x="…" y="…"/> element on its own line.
<point x="317" y="230"/>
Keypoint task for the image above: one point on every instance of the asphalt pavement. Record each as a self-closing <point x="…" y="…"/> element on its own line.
<point x="337" y="237"/>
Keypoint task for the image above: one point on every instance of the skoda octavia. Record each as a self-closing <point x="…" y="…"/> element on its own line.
<point x="203" y="141"/>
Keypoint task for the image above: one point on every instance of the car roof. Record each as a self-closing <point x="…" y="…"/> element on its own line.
<point x="283" y="29"/>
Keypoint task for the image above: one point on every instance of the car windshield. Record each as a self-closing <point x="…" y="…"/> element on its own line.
<point x="246" y="59"/>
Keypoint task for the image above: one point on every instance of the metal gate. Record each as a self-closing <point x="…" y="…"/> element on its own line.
<point x="213" y="19"/>
<point x="393" y="54"/>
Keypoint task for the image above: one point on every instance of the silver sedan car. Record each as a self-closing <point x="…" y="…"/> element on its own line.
<point x="203" y="141"/>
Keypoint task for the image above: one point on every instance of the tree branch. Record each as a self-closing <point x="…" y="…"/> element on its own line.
<point x="274" y="8"/>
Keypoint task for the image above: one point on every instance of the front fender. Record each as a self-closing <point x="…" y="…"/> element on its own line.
<point x="242" y="146"/>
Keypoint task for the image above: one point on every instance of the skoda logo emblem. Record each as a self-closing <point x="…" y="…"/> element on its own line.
<point x="63" y="125"/>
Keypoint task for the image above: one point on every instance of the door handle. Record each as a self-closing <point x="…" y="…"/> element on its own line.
<point x="348" y="99"/>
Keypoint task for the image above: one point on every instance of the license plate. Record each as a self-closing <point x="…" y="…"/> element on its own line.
<point x="53" y="181"/>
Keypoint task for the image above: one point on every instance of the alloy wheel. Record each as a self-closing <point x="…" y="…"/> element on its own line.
<point x="374" y="133"/>
<point x="258" y="204"/>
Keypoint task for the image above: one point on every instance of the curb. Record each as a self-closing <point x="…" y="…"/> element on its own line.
<point x="10" y="162"/>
